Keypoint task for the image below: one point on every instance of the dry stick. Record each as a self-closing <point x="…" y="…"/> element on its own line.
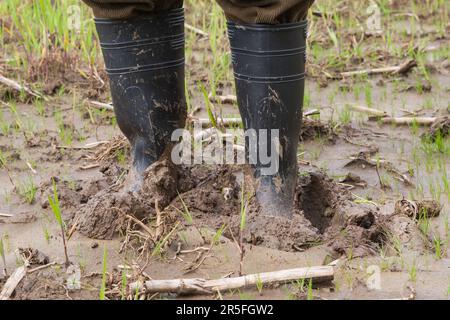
<point x="142" y="225"/>
<point x="31" y="168"/>
<point x="12" y="282"/>
<point x="18" y="87"/>
<point x="196" y="30"/>
<point x="312" y="112"/>
<point x="86" y="146"/>
<point x="224" y="99"/>
<point x="8" y="174"/>
<point x="159" y="224"/>
<point x="194" y="250"/>
<point x="201" y="257"/>
<point x="402" y="68"/>
<point x="387" y="166"/>
<point x="6" y="215"/>
<point x="381" y="116"/>
<point x="42" y="267"/>
<point x="202" y="286"/>
<point x="371" y="111"/>
<point x="72" y="230"/>
<point x="101" y="105"/>
<point x="425" y="121"/>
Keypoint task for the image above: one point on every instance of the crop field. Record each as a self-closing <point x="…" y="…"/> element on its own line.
<point x="373" y="192"/>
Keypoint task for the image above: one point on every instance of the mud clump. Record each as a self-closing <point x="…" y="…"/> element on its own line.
<point x="278" y="233"/>
<point x="103" y="215"/>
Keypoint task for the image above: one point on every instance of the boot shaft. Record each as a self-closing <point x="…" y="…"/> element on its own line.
<point x="269" y="70"/>
<point x="144" y="58"/>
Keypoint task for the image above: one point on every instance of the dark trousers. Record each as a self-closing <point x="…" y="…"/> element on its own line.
<point x="244" y="11"/>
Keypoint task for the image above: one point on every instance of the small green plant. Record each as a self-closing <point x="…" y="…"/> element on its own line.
<point x="259" y="284"/>
<point x="345" y="117"/>
<point x="56" y="208"/>
<point x="124" y="284"/>
<point x="102" y="295"/>
<point x="2" y="254"/>
<point x="47" y="235"/>
<point x="368" y="94"/>
<point x="218" y="235"/>
<point x="413" y="273"/>
<point x="185" y="213"/>
<point x="27" y="190"/>
<point x="157" y="251"/>
<point x="437" y="248"/>
<point x="309" y="295"/>
<point x="243" y="215"/>
<point x="209" y="107"/>
<point x="121" y="156"/>
<point x="245" y="296"/>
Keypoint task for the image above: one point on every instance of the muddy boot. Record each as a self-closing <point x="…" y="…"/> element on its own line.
<point x="144" y="58"/>
<point x="269" y="71"/>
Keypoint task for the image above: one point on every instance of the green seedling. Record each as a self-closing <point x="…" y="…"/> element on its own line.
<point x="102" y="295"/>
<point x="218" y="235"/>
<point x="185" y="213"/>
<point x="259" y="284"/>
<point x="124" y="284"/>
<point x="413" y="273"/>
<point x="438" y="248"/>
<point x="309" y="295"/>
<point x="243" y="216"/>
<point x="2" y="254"/>
<point x="47" y="235"/>
<point x="157" y="251"/>
<point x="27" y="190"/>
<point x="56" y="208"/>
<point x="345" y="117"/>
<point x="208" y="105"/>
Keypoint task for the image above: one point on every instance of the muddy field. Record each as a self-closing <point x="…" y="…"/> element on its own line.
<point x="373" y="194"/>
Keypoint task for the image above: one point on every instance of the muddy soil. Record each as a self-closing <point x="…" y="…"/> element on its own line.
<point x="360" y="199"/>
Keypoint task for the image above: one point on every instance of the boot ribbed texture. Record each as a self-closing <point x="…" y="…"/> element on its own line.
<point x="269" y="71"/>
<point x="144" y="58"/>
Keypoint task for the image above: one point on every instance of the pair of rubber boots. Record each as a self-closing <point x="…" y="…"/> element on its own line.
<point x="144" y="58"/>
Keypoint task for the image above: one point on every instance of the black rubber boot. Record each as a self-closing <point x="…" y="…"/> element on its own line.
<point x="144" y="58"/>
<point x="269" y="71"/>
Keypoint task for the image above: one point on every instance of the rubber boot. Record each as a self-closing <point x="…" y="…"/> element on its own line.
<point x="269" y="71"/>
<point x="144" y="58"/>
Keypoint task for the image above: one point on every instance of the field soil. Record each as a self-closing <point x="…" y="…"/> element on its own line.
<point x="372" y="198"/>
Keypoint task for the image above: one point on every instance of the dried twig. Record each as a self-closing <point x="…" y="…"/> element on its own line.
<point x="101" y="105"/>
<point x="371" y="111"/>
<point x="159" y="223"/>
<point x="224" y="99"/>
<point x="196" y="30"/>
<point x="13" y="281"/>
<point x="20" y="88"/>
<point x="383" y="164"/>
<point x="6" y="215"/>
<point x="142" y="225"/>
<point x="87" y="146"/>
<point x="424" y="121"/>
<point x="42" y="267"/>
<point x="202" y="286"/>
<point x="402" y="68"/>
